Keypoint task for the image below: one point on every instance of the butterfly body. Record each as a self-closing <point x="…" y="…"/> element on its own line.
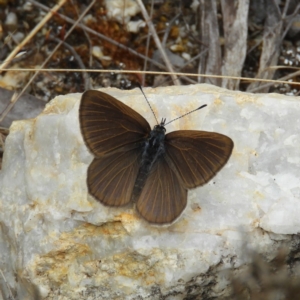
<point x="136" y="164"/>
<point x="153" y="149"/>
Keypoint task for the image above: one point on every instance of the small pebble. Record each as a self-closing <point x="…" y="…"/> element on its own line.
<point x="11" y="21"/>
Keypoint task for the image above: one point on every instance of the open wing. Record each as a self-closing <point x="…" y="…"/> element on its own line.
<point x="111" y="179"/>
<point x="196" y="156"/>
<point x="108" y="125"/>
<point x="163" y="198"/>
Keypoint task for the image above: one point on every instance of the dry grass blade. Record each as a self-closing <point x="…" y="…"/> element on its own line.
<point x="271" y="81"/>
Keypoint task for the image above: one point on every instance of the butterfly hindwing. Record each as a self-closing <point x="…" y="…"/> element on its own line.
<point x="108" y="125"/>
<point x="111" y="179"/>
<point x="196" y="156"/>
<point x="163" y="197"/>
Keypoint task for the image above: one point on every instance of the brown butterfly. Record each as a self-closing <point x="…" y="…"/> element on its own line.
<point x="150" y="168"/>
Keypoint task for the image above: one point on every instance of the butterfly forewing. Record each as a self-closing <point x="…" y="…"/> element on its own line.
<point x="111" y="178"/>
<point x="196" y="156"/>
<point x="108" y="125"/>
<point x="163" y="197"/>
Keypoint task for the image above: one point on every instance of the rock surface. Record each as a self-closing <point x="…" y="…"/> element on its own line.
<point x="57" y="242"/>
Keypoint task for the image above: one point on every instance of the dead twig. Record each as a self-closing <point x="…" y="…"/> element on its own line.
<point x="168" y="29"/>
<point x="88" y="40"/>
<point x="158" y="43"/>
<point x="291" y="20"/>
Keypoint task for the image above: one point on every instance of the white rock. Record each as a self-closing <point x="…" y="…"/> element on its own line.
<point x="11" y="19"/>
<point x="97" y="52"/>
<point x="186" y="56"/>
<point x="135" y="26"/>
<point x="194" y="6"/>
<point x="60" y="239"/>
<point x="121" y="10"/>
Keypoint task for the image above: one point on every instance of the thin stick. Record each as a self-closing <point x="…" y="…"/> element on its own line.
<point x="32" y="34"/>
<point x="292" y="19"/>
<point x="168" y="29"/>
<point x="285" y="9"/>
<point x="88" y="40"/>
<point x="158" y="43"/>
<point x="12" y="103"/>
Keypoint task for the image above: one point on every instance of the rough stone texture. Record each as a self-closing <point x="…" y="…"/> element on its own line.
<point x="58" y="242"/>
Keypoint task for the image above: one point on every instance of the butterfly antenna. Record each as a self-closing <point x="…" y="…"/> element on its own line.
<point x="186" y="114"/>
<point x="140" y="87"/>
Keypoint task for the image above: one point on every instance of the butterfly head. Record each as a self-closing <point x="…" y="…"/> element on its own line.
<point x="160" y="127"/>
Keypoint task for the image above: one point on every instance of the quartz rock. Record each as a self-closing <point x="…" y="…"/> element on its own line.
<point x="122" y="11"/>
<point x="57" y="242"/>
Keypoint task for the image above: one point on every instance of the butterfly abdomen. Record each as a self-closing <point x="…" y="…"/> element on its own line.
<point x="153" y="149"/>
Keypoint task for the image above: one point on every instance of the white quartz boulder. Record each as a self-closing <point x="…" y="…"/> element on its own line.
<point x="57" y="242"/>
